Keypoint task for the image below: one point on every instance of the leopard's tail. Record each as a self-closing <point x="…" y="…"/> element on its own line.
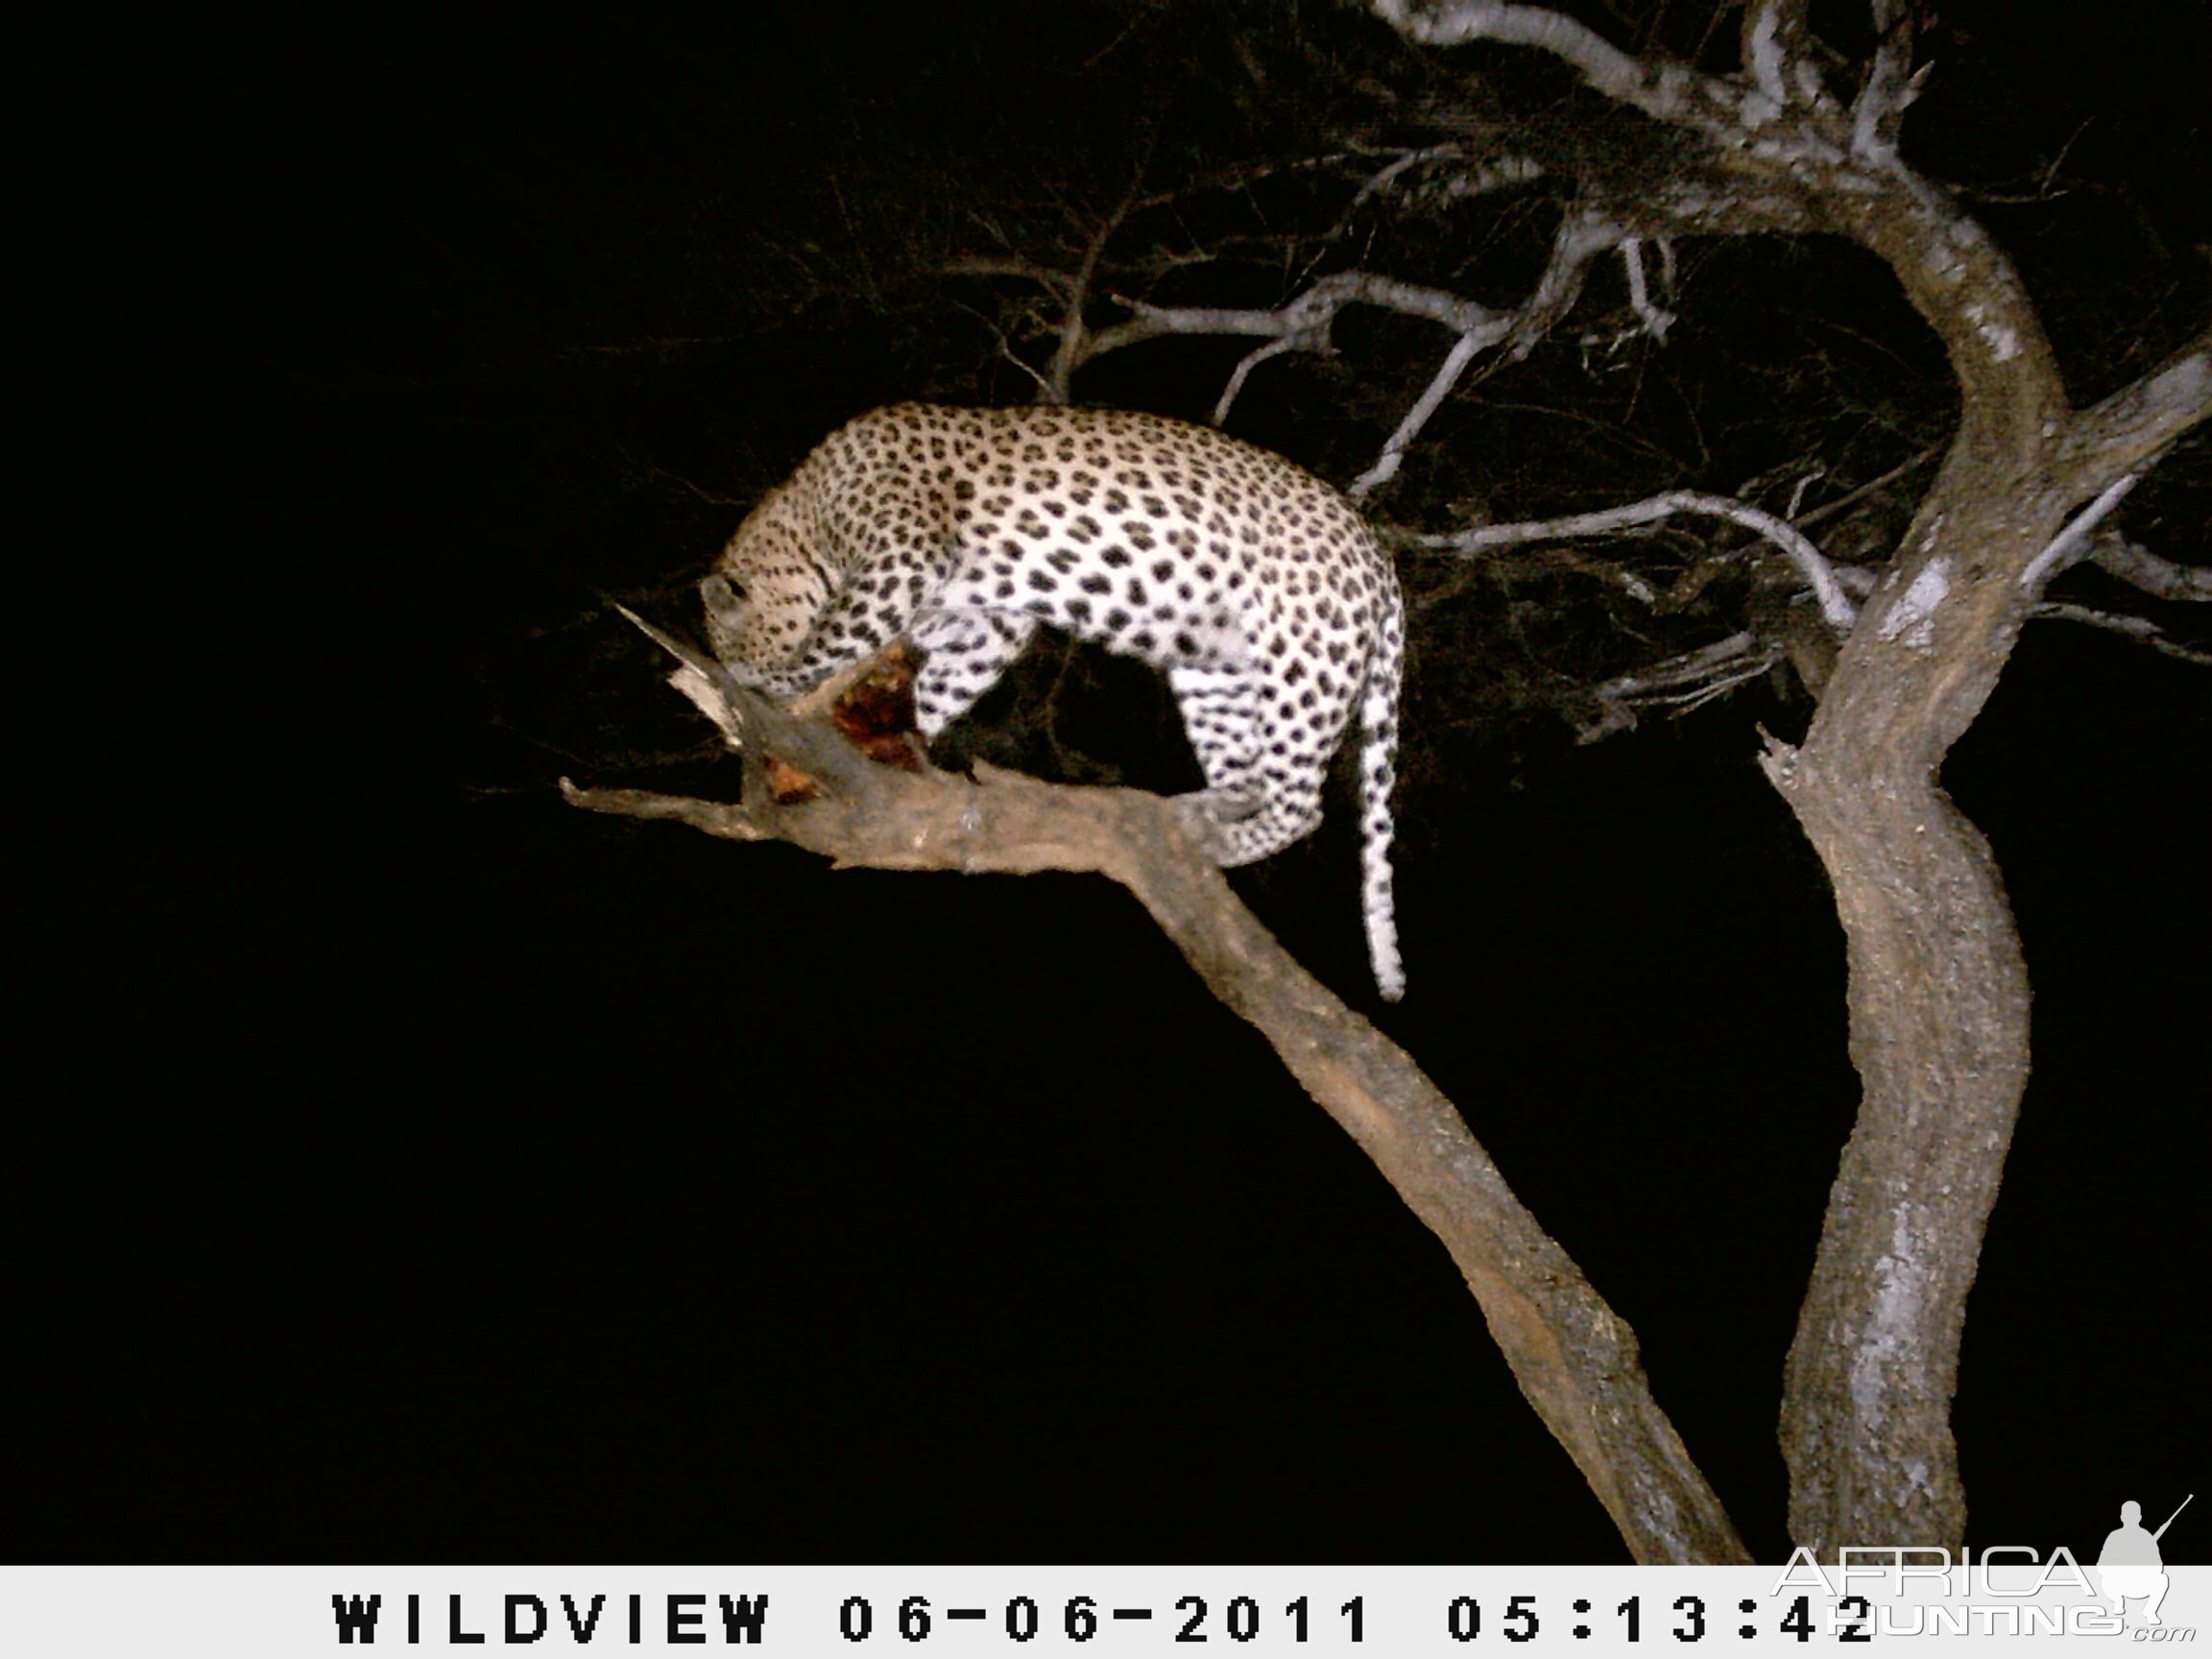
<point x="1378" y="775"/>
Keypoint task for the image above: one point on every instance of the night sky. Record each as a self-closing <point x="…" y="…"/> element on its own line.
<point x="441" y="1173"/>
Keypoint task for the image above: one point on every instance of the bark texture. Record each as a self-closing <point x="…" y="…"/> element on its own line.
<point x="1938" y="990"/>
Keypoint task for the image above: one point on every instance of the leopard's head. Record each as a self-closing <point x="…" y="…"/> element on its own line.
<point x="764" y="592"/>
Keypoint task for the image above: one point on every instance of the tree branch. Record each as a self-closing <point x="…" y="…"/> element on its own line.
<point x="1302" y="325"/>
<point x="1683" y="683"/>
<point x="1835" y="604"/>
<point x="1580" y="238"/>
<point x="2140" y="629"/>
<point x="1604" y="65"/>
<point x="1575" y="1359"/>
<point x="1304" y="320"/>
<point x="2116" y="556"/>
<point x="1889" y="87"/>
<point x="1431" y="401"/>
<point x="1874" y="486"/>
<point x="2124" y="432"/>
<point x="2074" y="540"/>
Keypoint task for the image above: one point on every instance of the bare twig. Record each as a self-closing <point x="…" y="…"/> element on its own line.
<point x="1389" y="175"/>
<point x="1656" y="320"/>
<point x="1431" y="401"/>
<point x="1604" y="65"/>
<point x="2116" y="556"/>
<point x="1852" y="497"/>
<point x="1682" y="683"/>
<point x="1304" y="320"/>
<point x="1302" y="324"/>
<point x="1820" y="575"/>
<point x="2073" y="540"/>
<point x="1890" y="87"/>
<point x="1580" y="239"/>
<point x="2140" y="629"/>
<point x="1245" y="364"/>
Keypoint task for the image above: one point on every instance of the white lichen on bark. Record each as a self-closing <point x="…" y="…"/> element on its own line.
<point x="1893" y="1320"/>
<point x="1912" y="617"/>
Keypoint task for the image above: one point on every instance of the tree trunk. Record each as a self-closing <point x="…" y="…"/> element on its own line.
<point x="1938" y="1000"/>
<point x="1939" y="991"/>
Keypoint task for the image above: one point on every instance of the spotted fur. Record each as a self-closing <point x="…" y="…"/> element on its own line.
<point x="1252" y="584"/>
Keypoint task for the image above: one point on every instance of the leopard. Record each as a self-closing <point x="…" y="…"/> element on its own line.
<point x="1256" y="588"/>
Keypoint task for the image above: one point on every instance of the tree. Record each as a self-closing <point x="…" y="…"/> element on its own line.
<point x="1938" y="990"/>
<point x="1900" y="645"/>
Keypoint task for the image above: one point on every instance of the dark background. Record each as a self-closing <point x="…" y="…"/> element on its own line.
<point x="443" y="1173"/>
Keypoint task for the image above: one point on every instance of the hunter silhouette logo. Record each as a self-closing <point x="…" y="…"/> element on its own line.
<point x="2130" y="1564"/>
